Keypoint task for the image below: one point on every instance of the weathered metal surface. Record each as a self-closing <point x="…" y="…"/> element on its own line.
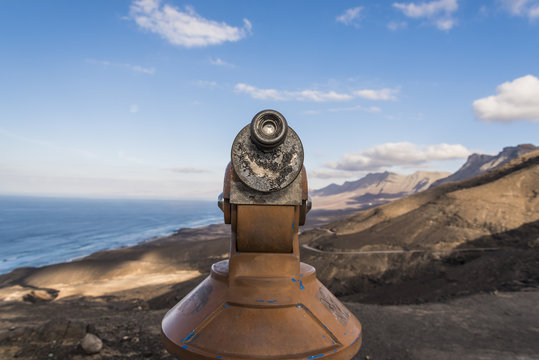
<point x="242" y="194"/>
<point x="262" y="303"/>
<point x="267" y="171"/>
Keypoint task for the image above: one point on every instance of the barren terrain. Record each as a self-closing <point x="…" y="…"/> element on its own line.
<point x="449" y="273"/>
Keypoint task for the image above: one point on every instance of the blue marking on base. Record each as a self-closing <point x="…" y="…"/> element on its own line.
<point x="219" y="357"/>
<point x="259" y="300"/>
<point x="184" y="346"/>
<point x="294" y="280"/>
<point x="301" y="287"/>
<point x="271" y="301"/>
<point x="315" y="356"/>
<point x="188" y="337"/>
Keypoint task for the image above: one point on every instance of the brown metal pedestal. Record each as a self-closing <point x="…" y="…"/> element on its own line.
<point x="261" y="318"/>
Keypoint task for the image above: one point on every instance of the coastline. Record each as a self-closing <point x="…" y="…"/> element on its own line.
<point x="158" y="261"/>
<point x="38" y="231"/>
<point x="121" y="296"/>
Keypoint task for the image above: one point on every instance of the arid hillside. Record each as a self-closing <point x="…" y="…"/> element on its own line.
<point x="477" y="164"/>
<point x="438" y="274"/>
<point x="470" y="236"/>
<point x="373" y="189"/>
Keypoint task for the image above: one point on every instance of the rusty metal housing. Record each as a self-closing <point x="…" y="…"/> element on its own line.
<point x="262" y="303"/>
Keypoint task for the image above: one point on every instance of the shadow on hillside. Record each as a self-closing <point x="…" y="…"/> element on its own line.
<point x="430" y="277"/>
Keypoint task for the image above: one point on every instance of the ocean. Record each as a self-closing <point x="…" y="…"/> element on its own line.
<point x="37" y="231"/>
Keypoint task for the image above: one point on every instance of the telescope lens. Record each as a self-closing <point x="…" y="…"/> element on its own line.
<point x="268" y="129"/>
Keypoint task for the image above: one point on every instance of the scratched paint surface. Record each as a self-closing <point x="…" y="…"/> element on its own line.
<point x="265" y="331"/>
<point x="333" y="305"/>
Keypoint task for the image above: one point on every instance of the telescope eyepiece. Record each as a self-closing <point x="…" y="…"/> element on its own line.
<point x="268" y="129"/>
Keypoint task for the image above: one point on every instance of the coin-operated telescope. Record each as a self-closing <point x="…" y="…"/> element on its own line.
<point x="262" y="303"/>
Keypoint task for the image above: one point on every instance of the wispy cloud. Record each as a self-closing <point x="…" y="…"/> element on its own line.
<point x="329" y="174"/>
<point x="515" y="100"/>
<point x="47" y="144"/>
<point x="184" y="27"/>
<point x="133" y="108"/>
<point x="372" y="109"/>
<point x="381" y="94"/>
<point x="220" y="62"/>
<point x="397" y="25"/>
<point x="208" y="84"/>
<point x="401" y="154"/>
<point x="350" y="16"/>
<point x="315" y="95"/>
<point x="134" y="68"/>
<point x="122" y="154"/>
<point x="141" y="69"/>
<point x="439" y="12"/>
<point x="310" y="112"/>
<point x="527" y="8"/>
<point x="189" y="170"/>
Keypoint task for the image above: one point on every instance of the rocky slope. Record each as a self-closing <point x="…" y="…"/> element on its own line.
<point x="437" y="236"/>
<point x="373" y="189"/>
<point x="479" y="163"/>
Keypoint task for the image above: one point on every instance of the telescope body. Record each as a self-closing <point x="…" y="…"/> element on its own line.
<point x="262" y="302"/>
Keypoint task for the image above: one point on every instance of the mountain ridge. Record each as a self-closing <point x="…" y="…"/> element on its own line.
<point x="379" y="188"/>
<point x="373" y="189"/>
<point x="479" y="163"/>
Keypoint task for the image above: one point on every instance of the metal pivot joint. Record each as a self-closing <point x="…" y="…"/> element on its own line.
<point x="263" y="303"/>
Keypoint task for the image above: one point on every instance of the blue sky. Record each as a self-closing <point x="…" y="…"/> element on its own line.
<point x="144" y="98"/>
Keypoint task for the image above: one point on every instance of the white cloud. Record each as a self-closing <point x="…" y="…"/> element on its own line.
<point x="402" y="154"/>
<point x="320" y="96"/>
<point x="205" y="84"/>
<point x="136" y="68"/>
<point x="310" y="112"/>
<point x="528" y="8"/>
<point x="184" y="28"/>
<point x="350" y="16"/>
<point x="220" y="62"/>
<point x="315" y="95"/>
<point x="140" y="69"/>
<point x="133" y="108"/>
<point x="382" y="94"/>
<point x="328" y="174"/>
<point x="396" y="25"/>
<point x="372" y="109"/>
<point x="439" y="12"/>
<point x="262" y="94"/>
<point x="515" y="100"/>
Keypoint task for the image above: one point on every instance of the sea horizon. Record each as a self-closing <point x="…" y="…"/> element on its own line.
<point x="43" y="230"/>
